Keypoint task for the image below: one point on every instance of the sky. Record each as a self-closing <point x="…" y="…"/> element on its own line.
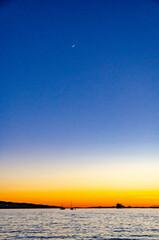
<point x="79" y="102"/>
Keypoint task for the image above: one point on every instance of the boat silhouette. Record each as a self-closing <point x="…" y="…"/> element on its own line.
<point x="62" y="208"/>
<point x="71" y="208"/>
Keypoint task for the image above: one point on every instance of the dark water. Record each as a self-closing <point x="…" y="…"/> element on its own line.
<point x="79" y="224"/>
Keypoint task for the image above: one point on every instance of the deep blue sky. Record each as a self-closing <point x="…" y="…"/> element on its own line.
<point x="102" y="95"/>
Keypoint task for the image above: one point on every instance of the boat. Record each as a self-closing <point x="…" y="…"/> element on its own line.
<point x="62" y="208"/>
<point x="71" y="208"/>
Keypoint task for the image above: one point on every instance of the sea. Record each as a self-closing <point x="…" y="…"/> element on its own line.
<point x="135" y="223"/>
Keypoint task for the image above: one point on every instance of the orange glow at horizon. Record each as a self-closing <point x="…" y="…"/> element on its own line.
<point x="86" y="197"/>
<point x="135" y="184"/>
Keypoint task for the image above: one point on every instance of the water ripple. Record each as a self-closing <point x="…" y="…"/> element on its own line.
<point x="82" y="224"/>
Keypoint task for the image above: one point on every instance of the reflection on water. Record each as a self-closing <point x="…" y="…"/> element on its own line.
<point x="80" y="224"/>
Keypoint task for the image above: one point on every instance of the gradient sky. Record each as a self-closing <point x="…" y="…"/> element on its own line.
<point x="79" y="101"/>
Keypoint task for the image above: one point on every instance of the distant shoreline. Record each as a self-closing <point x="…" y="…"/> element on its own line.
<point x="15" y="205"/>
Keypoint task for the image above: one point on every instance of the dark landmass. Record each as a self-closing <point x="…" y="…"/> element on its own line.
<point x="15" y="205"/>
<point x="102" y="207"/>
<point x="8" y="205"/>
<point x="118" y="205"/>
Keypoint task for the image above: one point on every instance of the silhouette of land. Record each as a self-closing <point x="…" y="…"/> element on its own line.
<point x="15" y="205"/>
<point x="119" y="205"/>
<point x="8" y="205"/>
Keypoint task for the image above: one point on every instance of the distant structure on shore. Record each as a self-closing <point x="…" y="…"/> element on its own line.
<point x="118" y="205"/>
